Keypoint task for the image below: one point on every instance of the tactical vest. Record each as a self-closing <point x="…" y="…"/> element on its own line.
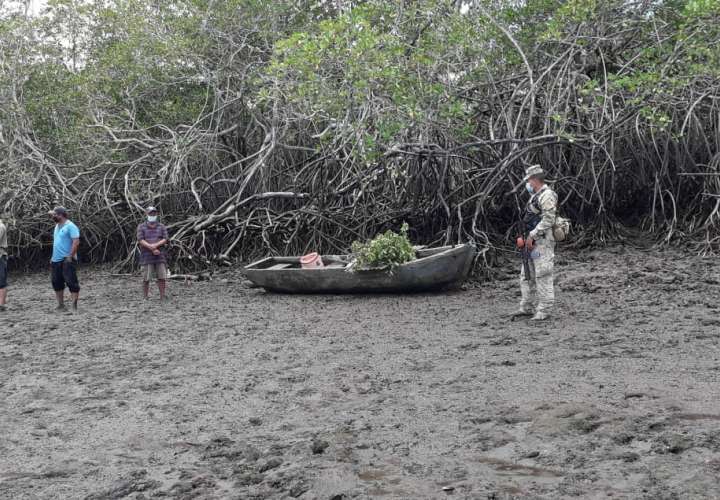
<point x="533" y="211"/>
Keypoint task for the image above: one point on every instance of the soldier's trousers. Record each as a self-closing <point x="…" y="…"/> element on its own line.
<point x="538" y="292"/>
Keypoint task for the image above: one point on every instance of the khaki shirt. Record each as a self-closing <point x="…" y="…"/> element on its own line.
<point x="3" y="239"/>
<point x="547" y="200"/>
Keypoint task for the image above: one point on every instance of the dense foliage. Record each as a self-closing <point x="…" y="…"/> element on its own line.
<point x="286" y="126"/>
<point x="387" y="250"/>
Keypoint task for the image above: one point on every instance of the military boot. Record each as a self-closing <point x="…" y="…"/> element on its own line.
<point x="521" y="313"/>
<point x="540" y="316"/>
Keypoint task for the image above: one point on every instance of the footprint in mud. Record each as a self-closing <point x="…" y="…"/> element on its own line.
<point x="625" y="456"/>
<point x="382" y="482"/>
<point x="672" y="443"/>
<point x="372" y="475"/>
<point x="199" y="487"/>
<point x="512" y="468"/>
<point x="135" y="482"/>
<point x="565" y="419"/>
<point x="491" y="439"/>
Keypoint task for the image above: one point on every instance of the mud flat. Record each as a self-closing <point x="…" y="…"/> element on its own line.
<point x="229" y="392"/>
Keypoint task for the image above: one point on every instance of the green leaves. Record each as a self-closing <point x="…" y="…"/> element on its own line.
<point x="378" y="72"/>
<point x="386" y="250"/>
<point x="702" y="7"/>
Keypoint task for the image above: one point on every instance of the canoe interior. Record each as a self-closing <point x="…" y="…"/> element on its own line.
<point x="283" y="263"/>
<point x="330" y="261"/>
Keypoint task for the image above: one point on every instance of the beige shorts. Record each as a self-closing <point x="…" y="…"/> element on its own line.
<point x="154" y="272"/>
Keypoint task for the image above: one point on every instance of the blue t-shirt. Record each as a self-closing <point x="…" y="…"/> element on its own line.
<point x="63" y="239"/>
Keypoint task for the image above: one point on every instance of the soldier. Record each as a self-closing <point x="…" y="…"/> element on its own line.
<point x="539" y="219"/>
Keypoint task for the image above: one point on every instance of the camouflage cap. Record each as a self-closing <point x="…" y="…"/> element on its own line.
<point x="534" y="171"/>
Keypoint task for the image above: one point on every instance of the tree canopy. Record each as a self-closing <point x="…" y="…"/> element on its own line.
<point x="285" y="126"/>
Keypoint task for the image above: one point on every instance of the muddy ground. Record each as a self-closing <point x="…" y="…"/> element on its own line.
<point x="229" y="392"/>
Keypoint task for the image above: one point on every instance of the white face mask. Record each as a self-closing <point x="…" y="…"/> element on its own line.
<point x="529" y="188"/>
<point x="152" y="218"/>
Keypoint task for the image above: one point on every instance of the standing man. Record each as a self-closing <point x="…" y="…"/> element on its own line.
<point x="66" y="241"/>
<point x="152" y="237"/>
<point x="539" y="219"/>
<point x="3" y="265"/>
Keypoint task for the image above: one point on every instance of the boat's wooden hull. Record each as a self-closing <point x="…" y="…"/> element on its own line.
<point x="436" y="269"/>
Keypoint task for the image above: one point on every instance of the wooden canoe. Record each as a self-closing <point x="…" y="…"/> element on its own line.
<point x="434" y="269"/>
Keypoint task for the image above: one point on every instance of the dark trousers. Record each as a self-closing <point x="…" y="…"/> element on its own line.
<point x="3" y="272"/>
<point x="65" y="274"/>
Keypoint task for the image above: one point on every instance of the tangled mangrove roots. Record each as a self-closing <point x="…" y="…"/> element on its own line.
<point x="293" y="133"/>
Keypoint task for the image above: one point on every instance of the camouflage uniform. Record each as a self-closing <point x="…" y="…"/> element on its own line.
<point x="539" y="218"/>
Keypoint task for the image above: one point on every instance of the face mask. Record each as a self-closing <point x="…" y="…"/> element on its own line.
<point x="529" y="188"/>
<point x="152" y="218"/>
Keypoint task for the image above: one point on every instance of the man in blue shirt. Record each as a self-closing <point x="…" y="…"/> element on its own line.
<point x="66" y="241"/>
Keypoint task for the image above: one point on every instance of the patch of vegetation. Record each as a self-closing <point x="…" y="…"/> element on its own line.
<point x="389" y="249"/>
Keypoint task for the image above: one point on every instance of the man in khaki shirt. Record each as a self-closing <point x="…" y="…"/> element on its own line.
<point x="3" y="265"/>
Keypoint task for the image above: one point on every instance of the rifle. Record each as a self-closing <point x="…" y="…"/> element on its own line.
<point x="524" y="250"/>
